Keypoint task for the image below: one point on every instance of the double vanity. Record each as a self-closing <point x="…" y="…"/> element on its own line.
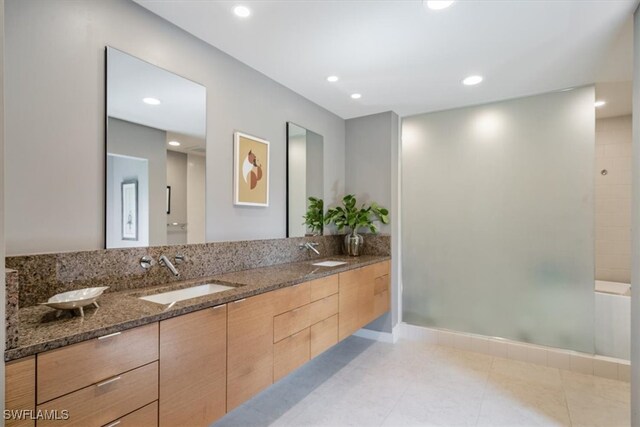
<point x="146" y="358"/>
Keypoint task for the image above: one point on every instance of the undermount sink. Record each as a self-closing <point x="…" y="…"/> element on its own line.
<point x="329" y="263"/>
<point x="186" y="293"/>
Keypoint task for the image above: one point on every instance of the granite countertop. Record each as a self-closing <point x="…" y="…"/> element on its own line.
<point x="41" y="329"/>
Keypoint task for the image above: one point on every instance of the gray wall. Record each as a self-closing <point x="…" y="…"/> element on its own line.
<point x="55" y="122"/>
<point x="177" y="179"/>
<point x="635" y="227"/>
<point x="2" y="217"/>
<point x="372" y="175"/>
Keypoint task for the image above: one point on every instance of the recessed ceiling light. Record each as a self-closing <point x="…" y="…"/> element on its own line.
<point x="151" y="101"/>
<point x="332" y="79"/>
<point x="356" y="96"/>
<point x="437" y="4"/>
<point x="472" y="80"/>
<point x="174" y="143"/>
<point x="242" y="11"/>
<point x="599" y="103"/>
<point x="567" y="89"/>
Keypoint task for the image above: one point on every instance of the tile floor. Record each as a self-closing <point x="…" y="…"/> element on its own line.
<point x="366" y="383"/>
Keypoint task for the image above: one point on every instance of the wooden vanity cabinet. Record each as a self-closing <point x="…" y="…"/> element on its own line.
<point x="364" y="296"/>
<point x="249" y="347"/>
<point x="349" y="302"/>
<point x="193" y="366"/>
<point x="20" y="389"/>
<point x="192" y="369"/>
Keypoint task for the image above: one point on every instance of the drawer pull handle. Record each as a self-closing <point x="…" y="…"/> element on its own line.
<point x="104" y="337"/>
<point x="109" y="381"/>
<point x="219" y="306"/>
<point x="240" y="300"/>
<point x="113" y="424"/>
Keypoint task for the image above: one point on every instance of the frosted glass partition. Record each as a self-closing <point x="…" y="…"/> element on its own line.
<point x="498" y="219"/>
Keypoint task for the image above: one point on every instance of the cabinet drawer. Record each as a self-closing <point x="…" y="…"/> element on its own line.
<point x="71" y="368"/>
<point x="322" y="309"/>
<point x="381" y="284"/>
<point x="108" y="400"/>
<point x="321" y="288"/>
<point x="290" y="298"/>
<point x="324" y="335"/>
<point x="20" y="389"/>
<point x="381" y="303"/>
<point x="290" y="322"/>
<point x="380" y="268"/>
<point x="143" y="417"/>
<point x="291" y="353"/>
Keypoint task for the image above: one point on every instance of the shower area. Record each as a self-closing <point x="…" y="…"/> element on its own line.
<point x="505" y="230"/>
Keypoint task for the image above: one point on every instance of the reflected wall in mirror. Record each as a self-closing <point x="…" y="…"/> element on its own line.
<point x="305" y="180"/>
<point x="156" y="137"/>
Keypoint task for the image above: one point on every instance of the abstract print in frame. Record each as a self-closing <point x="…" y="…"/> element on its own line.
<point x="251" y="170"/>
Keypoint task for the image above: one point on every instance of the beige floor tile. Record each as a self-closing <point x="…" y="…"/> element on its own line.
<point x="365" y="383"/>
<point x="590" y="385"/>
<point x="517" y="402"/>
<point x="528" y="372"/>
<point x="587" y="410"/>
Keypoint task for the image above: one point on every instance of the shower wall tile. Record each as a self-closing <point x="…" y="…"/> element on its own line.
<point x="613" y="199"/>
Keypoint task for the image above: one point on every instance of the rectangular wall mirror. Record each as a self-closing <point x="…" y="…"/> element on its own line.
<point x="155" y="155"/>
<point x="305" y="179"/>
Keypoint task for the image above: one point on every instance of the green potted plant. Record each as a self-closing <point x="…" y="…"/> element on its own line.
<point x="355" y="218"/>
<point x="314" y="218"/>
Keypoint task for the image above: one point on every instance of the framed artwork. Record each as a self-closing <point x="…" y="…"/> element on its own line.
<point x="251" y="170"/>
<point x="129" y="190"/>
<point x="168" y="199"/>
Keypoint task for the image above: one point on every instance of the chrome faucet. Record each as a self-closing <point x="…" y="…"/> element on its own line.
<point x="310" y="246"/>
<point x="165" y="262"/>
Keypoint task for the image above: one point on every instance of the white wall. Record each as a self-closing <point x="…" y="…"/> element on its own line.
<point x="196" y="178"/>
<point x="297" y="184"/>
<point x="121" y="169"/>
<point x="55" y="122"/>
<point x="613" y="199"/>
<point x="635" y="268"/>
<point x="372" y="174"/>
<point x="143" y="142"/>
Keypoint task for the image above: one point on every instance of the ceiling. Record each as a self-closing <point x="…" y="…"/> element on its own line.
<point x="129" y="80"/>
<point x="401" y="56"/>
<point x="618" y="98"/>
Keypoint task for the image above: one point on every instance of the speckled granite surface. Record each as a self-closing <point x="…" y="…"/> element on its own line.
<point x="42" y="276"/>
<point x="40" y="329"/>
<point x="11" y="308"/>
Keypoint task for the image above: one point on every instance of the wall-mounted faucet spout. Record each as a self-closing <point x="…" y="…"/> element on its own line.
<point x="311" y="246"/>
<point x="167" y="263"/>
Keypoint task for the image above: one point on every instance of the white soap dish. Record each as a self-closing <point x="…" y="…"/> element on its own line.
<point x="73" y="300"/>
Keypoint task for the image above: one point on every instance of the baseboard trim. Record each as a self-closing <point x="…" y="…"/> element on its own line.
<point x="584" y="363"/>
<point x="388" y="337"/>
